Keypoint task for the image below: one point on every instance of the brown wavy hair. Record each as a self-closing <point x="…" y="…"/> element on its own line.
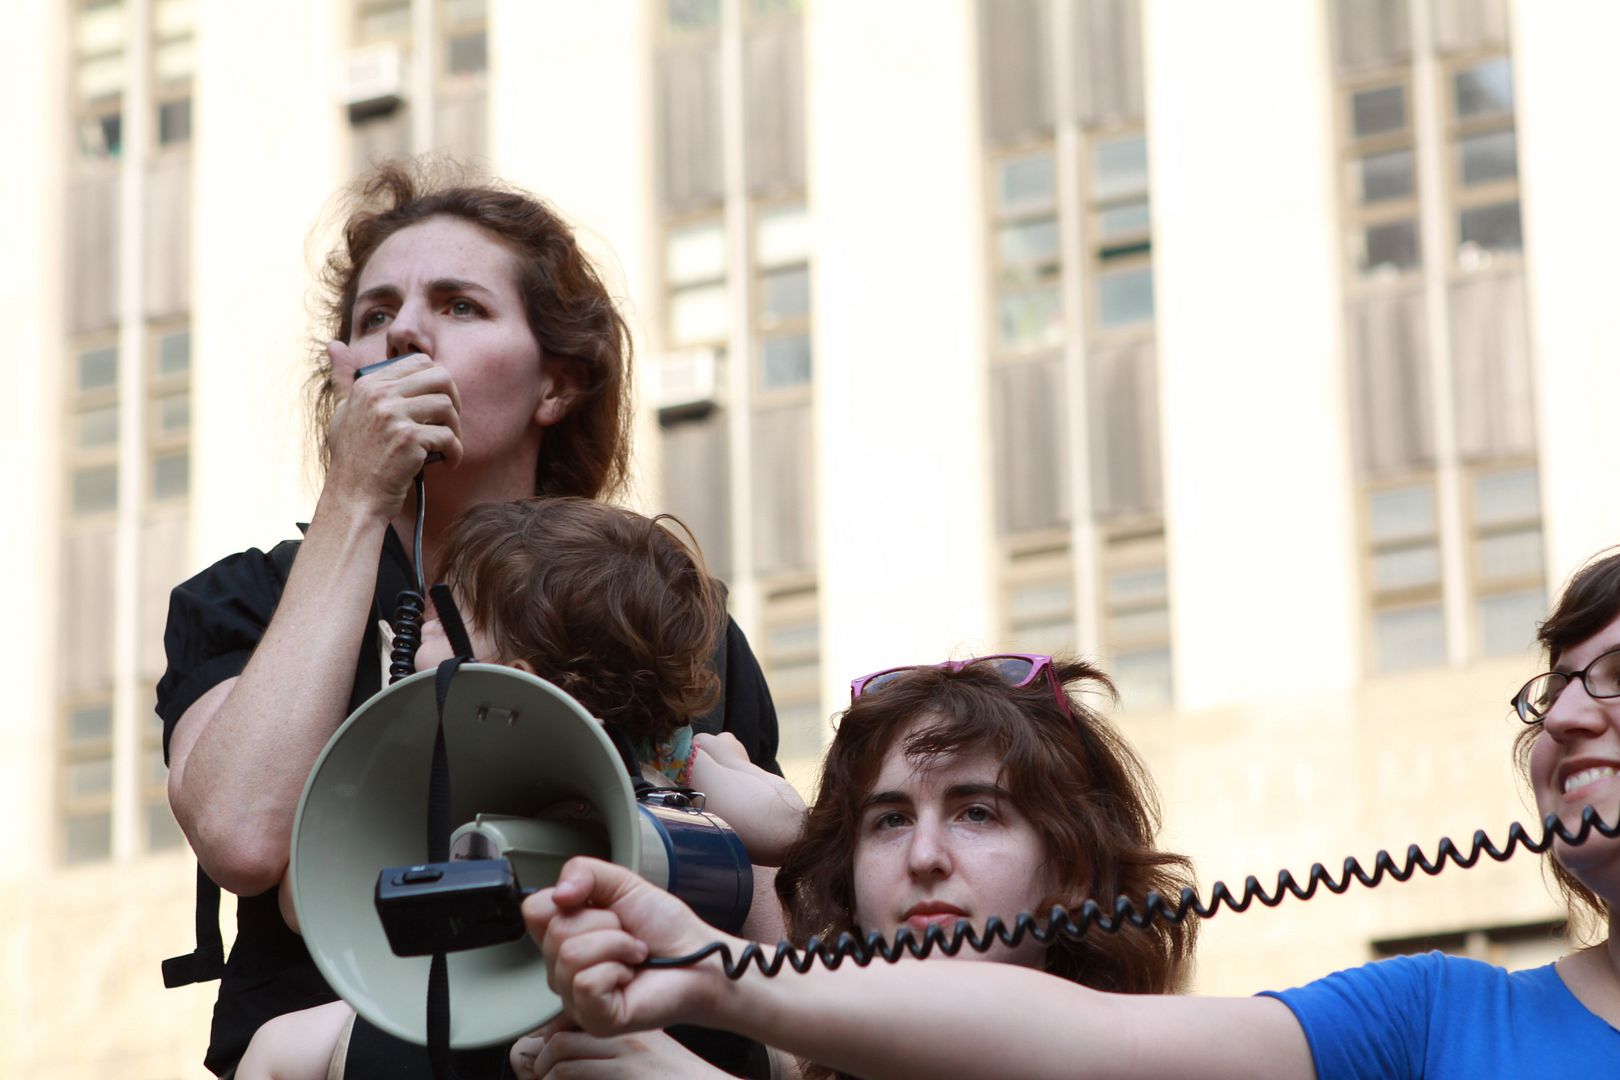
<point x="568" y="308"/>
<point x="1070" y="774"/>
<point x="1589" y="602"/>
<point x="609" y="605"/>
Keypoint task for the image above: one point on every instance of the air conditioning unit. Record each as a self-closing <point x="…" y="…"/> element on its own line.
<point x="686" y="381"/>
<point x="372" y="80"/>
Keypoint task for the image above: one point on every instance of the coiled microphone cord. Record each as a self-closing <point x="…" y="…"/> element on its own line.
<point x="861" y="951"/>
<point x="409" y="606"/>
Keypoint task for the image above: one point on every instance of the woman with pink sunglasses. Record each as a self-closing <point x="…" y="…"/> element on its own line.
<point x="1433" y="1016"/>
<point x="962" y="791"/>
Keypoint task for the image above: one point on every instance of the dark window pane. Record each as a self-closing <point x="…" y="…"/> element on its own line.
<point x="1125" y="297"/>
<point x="785" y="362"/>
<point x="467" y="53"/>
<point x="1378" y="112"/>
<point x="95" y="489"/>
<point x="102" y="136"/>
<point x="174" y="122"/>
<point x="1491" y="228"/>
<point x="171" y="475"/>
<point x="1486" y="89"/>
<point x="786" y="296"/>
<point x="90" y="723"/>
<point x="87" y="838"/>
<point x="1483" y="159"/>
<point x="1386" y="176"/>
<point x="1393" y="246"/>
<point x="98" y="368"/>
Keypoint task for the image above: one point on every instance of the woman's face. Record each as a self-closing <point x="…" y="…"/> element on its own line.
<point x="944" y="844"/>
<point x="447" y="288"/>
<point x="1575" y="762"/>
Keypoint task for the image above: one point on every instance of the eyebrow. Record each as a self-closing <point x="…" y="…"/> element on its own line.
<point x="436" y="287"/>
<point x="952" y="793"/>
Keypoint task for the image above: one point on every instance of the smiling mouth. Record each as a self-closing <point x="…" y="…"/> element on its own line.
<point x="1575" y="781"/>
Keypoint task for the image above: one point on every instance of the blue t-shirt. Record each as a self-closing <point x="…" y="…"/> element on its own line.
<point x="1437" y="1016"/>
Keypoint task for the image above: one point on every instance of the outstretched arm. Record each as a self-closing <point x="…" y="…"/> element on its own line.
<point x="938" y="1018"/>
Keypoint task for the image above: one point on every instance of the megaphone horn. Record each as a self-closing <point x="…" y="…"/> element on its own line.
<point x="534" y="780"/>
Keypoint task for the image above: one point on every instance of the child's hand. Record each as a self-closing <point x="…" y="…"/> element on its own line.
<point x="765" y="809"/>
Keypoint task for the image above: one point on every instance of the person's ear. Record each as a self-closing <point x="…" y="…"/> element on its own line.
<point x="561" y="381"/>
<point x="522" y="665"/>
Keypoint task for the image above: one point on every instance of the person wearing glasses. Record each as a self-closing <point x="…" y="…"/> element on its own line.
<point x="1432" y="1016"/>
<point x="953" y="792"/>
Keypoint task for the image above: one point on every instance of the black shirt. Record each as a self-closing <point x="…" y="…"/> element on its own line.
<point x="216" y="620"/>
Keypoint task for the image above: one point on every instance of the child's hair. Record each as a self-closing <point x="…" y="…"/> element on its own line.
<point x="607" y="604"/>
<point x="1069" y="772"/>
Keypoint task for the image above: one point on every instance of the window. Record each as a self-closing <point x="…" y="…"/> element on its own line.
<point x="1029" y="266"/>
<point x="782" y="298"/>
<point x="92" y="452"/>
<point x="1413" y="459"/>
<point x="1136" y="618"/>
<point x="1483" y="162"/>
<point x="1038" y="600"/>
<point x="100" y="34"/>
<point x="1120" y="230"/>
<point x="85" y="782"/>
<point x="1381" y="179"/>
<point x="168" y="417"/>
<point x="698" y="310"/>
<point x="464" y="25"/>
<point x="1404" y="577"/>
<point x="173" y="62"/>
<point x="1509" y="592"/>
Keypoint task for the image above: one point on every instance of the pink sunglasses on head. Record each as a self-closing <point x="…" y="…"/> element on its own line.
<point x="1016" y="669"/>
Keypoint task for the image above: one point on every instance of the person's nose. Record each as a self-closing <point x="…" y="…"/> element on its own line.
<point x="928" y="855"/>
<point x="409" y="331"/>
<point x="1577" y="714"/>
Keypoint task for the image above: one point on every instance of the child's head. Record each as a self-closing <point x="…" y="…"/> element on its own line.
<point x="607" y="604"/>
<point x="933" y="767"/>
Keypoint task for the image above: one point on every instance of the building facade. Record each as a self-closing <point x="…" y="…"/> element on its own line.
<point x="1257" y="349"/>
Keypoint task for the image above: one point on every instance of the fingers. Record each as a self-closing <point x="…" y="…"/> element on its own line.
<point x="724" y="748"/>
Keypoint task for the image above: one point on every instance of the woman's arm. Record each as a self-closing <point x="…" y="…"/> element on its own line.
<point x="240" y="754"/>
<point x="936" y="1018"/>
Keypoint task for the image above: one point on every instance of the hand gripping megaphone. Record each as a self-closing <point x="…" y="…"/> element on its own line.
<point x="534" y="779"/>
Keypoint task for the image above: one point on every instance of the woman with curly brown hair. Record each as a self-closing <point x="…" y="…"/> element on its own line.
<point x="963" y="791"/>
<point x="506" y="355"/>
<point x="613" y="608"/>
<point x="986" y="787"/>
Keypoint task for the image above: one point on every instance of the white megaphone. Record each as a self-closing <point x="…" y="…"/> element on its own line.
<point x="535" y="779"/>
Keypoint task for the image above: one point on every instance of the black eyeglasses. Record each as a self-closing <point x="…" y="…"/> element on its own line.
<point x="1601" y="678"/>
